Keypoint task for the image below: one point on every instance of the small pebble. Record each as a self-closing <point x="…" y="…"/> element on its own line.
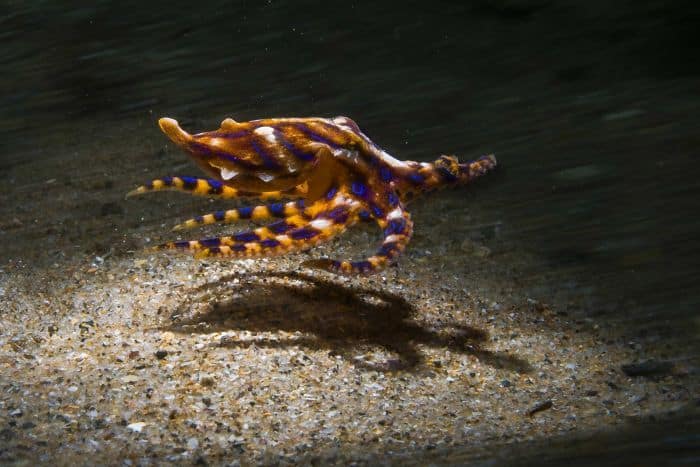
<point x="192" y="444"/>
<point x="539" y="407"/>
<point x="136" y="427"/>
<point x="207" y="381"/>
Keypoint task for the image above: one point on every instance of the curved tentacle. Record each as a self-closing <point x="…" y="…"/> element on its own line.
<point x="294" y="233"/>
<point x="398" y="229"/>
<point x="212" y="188"/>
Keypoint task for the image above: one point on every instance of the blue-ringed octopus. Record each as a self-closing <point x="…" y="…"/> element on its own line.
<point x="318" y="176"/>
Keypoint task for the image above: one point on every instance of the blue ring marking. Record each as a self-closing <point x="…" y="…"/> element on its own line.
<point x="201" y="147"/>
<point x="189" y="183"/>
<point x="269" y="243"/>
<point x="279" y="227"/>
<point x="276" y="209"/>
<point x="393" y="199"/>
<point x="238" y="247"/>
<point x="210" y="242"/>
<point x="215" y="186"/>
<point x="231" y="135"/>
<point x="334" y="128"/>
<point x="385" y="174"/>
<point x="376" y="211"/>
<point x="365" y="215"/>
<point x="208" y="152"/>
<point x="167" y="181"/>
<point x="362" y="266"/>
<point x="296" y="152"/>
<point x="396" y="226"/>
<point x="245" y="212"/>
<point x="331" y="193"/>
<point x="182" y="244"/>
<point x="220" y="215"/>
<point x="315" y="136"/>
<point x="359" y="188"/>
<point x="416" y="178"/>
<point x="338" y="215"/>
<point x="269" y="162"/>
<point x="246" y="237"/>
<point x="304" y="233"/>
<point x="388" y="249"/>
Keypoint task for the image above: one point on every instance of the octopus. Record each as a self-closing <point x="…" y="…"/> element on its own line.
<point x="316" y="177"/>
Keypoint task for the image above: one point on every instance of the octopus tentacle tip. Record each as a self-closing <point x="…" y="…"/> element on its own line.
<point x="166" y="123"/>
<point x="134" y="192"/>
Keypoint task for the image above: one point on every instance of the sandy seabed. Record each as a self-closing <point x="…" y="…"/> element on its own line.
<point x="112" y="354"/>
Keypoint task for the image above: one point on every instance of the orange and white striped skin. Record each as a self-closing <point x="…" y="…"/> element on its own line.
<point x="332" y="174"/>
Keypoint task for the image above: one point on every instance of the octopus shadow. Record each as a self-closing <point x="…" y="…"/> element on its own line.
<point x="321" y="314"/>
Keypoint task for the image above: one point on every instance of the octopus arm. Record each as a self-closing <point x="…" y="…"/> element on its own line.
<point x="293" y="233"/>
<point x="255" y="213"/>
<point x="397" y="228"/>
<point x="213" y="188"/>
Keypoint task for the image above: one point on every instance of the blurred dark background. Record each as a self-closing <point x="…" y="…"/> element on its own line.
<point x="591" y="107"/>
<point x="119" y="58"/>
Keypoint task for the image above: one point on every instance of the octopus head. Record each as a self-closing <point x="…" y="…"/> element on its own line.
<point x="243" y="155"/>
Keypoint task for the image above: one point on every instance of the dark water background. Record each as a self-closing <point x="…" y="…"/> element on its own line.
<point x="593" y="109"/>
